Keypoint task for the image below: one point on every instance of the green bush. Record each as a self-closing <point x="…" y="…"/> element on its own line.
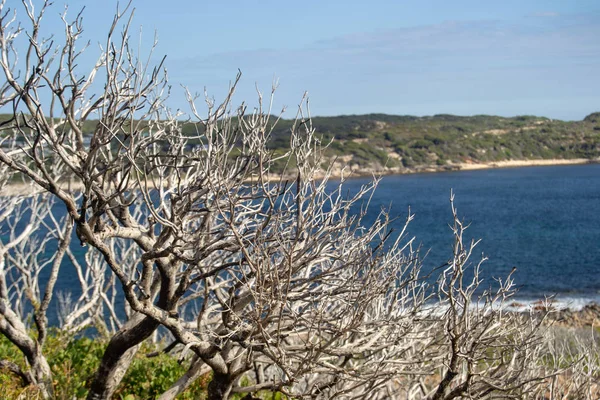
<point x="73" y="364"/>
<point x="74" y="360"/>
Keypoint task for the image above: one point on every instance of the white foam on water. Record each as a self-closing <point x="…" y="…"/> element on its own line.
<point x="517" y="304"/>
<point x="558" y="303"/>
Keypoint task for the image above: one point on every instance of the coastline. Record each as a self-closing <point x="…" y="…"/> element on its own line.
<point x="526" y="163"/>
<point x="354" y="171"/>
<point x="566" y="306"/>
<point x="29" y="189"/>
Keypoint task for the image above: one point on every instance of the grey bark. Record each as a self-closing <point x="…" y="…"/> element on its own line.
<point x="196" y="370"/>
<point x="16" y="332"/>
<point x="42" y="374"/>
<point x="220" y="387"/>
<point x="118" y="356"/>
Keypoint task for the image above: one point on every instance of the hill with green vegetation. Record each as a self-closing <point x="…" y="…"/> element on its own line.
<point x="389" y="143"/>
<point x="384" y="143"/>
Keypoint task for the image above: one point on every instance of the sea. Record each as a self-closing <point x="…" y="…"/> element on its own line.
<point x="543" y="221"/>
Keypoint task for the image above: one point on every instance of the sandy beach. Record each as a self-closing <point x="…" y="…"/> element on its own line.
<point x="16" y="189"/>
<point x="523" y="163"/>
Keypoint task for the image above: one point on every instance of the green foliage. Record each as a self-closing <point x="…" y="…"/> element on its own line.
<point x="73" y="363"/>
<point x="363" y="152"/>
<point x="455" y="139"/>
<point x="74" y="360"/>
<point x="10" y="384"/>
<point x="147" y="377"/>
<point x="445" y="139"/>
<point x="422" y="141"/>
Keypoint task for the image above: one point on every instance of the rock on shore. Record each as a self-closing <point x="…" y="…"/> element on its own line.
<point x="587" y="316"/>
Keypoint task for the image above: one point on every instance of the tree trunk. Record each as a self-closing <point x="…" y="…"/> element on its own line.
<point x="196" y="370"/>
<point x="42" y="374"/>
<point x="118" y="356"/>
<point x="220" y="387"/>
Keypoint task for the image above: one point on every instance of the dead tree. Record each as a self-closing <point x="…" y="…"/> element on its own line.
<point x="257" y="272"/>
<point x="248" y="269"/>
<point x="18" y="284"/>
<point x="485" y="351"/>
<point x="33" y="250"/>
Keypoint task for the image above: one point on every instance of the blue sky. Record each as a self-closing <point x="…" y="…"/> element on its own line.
<point x="398" y="57"/>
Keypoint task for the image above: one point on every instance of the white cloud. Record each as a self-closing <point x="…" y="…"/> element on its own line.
<point x="480" y="63"/>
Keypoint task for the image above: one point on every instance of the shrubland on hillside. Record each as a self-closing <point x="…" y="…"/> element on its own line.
<point x="380" y="143"/>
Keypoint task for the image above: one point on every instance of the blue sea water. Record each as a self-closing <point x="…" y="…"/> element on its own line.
<point x="545" y="221"/>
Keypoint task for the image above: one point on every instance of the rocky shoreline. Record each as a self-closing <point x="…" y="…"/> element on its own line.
<point x="588" y="316"/>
